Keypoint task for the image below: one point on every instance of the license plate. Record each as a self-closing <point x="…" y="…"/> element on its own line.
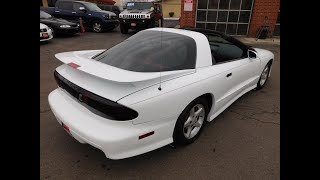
<point x="45" y="35"/>
<point x="133" y="24"/>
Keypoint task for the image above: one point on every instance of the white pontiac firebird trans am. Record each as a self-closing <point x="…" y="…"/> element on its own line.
<point x="158" y="87"/>
<point x="45" y="32"/>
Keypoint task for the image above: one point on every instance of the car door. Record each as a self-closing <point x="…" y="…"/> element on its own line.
<point x="238" y="71"/>
<point x="77" y="13"/>
<point x="65" y="10"/>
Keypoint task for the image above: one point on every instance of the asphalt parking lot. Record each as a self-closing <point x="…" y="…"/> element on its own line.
<point x="241" y="143"/>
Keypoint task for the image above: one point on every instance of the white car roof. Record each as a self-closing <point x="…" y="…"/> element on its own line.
<point x="204" y="58"/>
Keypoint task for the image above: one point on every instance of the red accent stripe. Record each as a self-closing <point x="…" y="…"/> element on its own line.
<point x="73" y="65"/>
<point x="146" y="135"/>
<point x="66" y="128"/>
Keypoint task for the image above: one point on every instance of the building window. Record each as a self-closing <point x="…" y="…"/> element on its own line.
<point x="276" y="31"/>
<point x="227" y="16"/>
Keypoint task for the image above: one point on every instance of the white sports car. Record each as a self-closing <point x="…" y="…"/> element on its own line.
<point x="157" y="87"/>
<point x="45" y="32"/>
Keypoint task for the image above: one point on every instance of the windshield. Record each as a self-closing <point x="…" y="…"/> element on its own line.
<point x="139" y="5"/>
<point x="144" y="52"/>
<point x="44" y="15"/>
<point x="92" y="7"/>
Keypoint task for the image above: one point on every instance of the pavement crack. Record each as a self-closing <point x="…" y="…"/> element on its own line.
<point x="44" y="111"/>
<point x="250" y="117"/>
<point x="267" y="112"/>
<point x="266" y="122"/>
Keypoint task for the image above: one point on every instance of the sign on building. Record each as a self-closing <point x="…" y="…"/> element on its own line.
<point x="188" y="5"/>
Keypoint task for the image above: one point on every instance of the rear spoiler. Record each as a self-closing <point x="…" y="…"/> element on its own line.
<point x="74" y="56"/>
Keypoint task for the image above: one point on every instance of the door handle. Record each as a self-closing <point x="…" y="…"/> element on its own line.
<point x="57" y="11"/>
<point x="230" y="74"/>
<point x="73" y="12"/>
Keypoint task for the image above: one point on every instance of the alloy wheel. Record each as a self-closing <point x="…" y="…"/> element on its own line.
<point x="194" y="121"/>
<point x="97" y="27"/>
<point x="264" y="76"/>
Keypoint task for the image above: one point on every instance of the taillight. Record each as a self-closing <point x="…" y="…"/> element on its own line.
<point x="73" y="65"/>
<point x="112" y="109"/>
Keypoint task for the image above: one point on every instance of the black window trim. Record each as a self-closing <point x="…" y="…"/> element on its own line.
<point x="233" y="42"/>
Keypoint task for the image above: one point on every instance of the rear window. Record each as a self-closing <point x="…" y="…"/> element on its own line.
<point x="144" y="52"/>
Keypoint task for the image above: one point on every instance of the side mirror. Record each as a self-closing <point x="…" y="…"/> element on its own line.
<point x="82" y="9"/>
<point x="152" y="8"/>
<point x="252" y="54"/>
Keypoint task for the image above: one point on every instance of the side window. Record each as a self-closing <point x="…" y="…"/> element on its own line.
<point x="66" y="6"/>
<point x="223" y="50"/>
<point x="76" y="6"/>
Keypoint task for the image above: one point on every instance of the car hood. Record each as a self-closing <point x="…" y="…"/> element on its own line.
<point x="108" y="81"/>
<point x="56" y="21"/>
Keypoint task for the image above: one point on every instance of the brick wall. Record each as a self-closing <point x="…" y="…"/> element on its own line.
<point x="188" y="17"/>
<point x="262" y="8"/>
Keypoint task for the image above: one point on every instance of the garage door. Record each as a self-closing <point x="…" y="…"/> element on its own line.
<point x="228" y="16"/>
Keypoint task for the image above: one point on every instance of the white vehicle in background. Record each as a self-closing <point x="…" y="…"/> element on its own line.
<point x="158" y="87"/>
<point x="45" y="32"/>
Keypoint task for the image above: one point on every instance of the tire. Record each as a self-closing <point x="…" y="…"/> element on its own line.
<point x="123" y="29"/>
<point x="72" y="33"/>
<point x="152" y="24"/>
<point x="264" y="77"/>
<point x="97" y="26"/>
<point x="181" y="134"/>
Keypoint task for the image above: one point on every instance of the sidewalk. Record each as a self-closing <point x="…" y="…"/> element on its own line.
<point x="247" y="40"/>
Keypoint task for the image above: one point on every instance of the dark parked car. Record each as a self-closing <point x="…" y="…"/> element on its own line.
<point x="93" y="17"/>
<point x="58" y="25"/>
<point x="112" y="8"/>
<point x="51" y="3"/>
<point x="140" y="15"/>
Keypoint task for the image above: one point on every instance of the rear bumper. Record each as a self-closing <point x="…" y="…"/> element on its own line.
<point x="117" y="139"/>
